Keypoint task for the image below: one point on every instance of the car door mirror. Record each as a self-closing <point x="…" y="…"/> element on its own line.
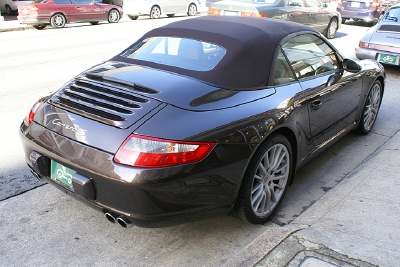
<point x="325" y="5"/>
<point x="351" y="66"/>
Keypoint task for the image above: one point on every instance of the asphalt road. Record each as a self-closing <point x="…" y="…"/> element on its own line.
<point x="47" y="222"/>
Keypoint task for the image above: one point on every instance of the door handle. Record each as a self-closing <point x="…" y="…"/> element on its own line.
<point x="316" y="104"/>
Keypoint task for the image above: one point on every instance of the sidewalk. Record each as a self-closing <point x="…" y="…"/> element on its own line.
<point x="355" y="224"/>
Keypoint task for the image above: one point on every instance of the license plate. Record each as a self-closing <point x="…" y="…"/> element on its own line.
<point x="388" y="59"/>
<point x="62" y="174"/>
<point x="230" y="13"/>
<point x="355" y="4"/>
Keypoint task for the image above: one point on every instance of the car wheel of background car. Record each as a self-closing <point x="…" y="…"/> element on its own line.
<point x="332" y="28"/>
<point x="58" y="21"/>
<point x="343" y="20"/>
<point x="155" y="12"/>
<point x="371" y="108"/>
<point x="9" y="10"/>
<point x="192" y="10"/>
<point x="265" y="181"/>
<point x="39" y="26"/>
<point x="133" y="17"/>
<point x="170" y="15"/>
<point x="114" y="16"/>
<point x="94" y="22"/>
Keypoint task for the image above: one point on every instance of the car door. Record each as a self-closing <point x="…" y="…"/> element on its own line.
<point x="85" y="10"/>
<point x="297" y="12"/>
<point x="332" y="93"/>
<point x="66" y="7"/>
<point x="319" y="17"/>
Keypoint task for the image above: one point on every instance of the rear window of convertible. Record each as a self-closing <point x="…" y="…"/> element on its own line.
<point x="177" y="52"/>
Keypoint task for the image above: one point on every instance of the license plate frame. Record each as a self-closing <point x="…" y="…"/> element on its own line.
<point x="62" y="174"/>
<point x="388" y="59"/>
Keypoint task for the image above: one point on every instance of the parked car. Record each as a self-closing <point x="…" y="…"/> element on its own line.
<point x="199" y="118"/>
<point x="155" y="8"/>
<point x="57" y="13"/>
<point x="308" y="12"/>
<point x="382" y="42"/>
<point x="362" y="10"/>
<point x="11" y="6"/>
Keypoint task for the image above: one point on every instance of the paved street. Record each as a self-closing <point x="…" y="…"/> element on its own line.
<point x="38" y="222"/>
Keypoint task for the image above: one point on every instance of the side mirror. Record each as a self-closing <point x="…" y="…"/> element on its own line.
<point x="351" y="66"/>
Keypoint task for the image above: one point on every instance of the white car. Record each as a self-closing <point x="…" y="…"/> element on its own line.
<point x="11" y="6"/>
<point x="155" y="8"/>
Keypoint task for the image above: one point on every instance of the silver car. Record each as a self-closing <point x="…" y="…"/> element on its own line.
<point x="382" y="42"/>
<point x="155" y="8"/>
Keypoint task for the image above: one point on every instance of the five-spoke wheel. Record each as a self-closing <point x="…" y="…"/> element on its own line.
<point x="192" y="10"/>
<point x="58" y="21"/>
<point x="155" y="12"/>
<point x="371" y="108"/>
<point x="266" y="180"/>
<point x="114" y="16"/>
<point x="332" y="29"/>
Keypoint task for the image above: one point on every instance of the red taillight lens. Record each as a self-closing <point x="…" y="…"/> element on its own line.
<point x="252" y="14"/>
<point x="33" y="111"/>
<point x="363" y="44"/>
<point x="213" y="11"/>
<point x="149" y="152"/>
<point x="375" y="4"/>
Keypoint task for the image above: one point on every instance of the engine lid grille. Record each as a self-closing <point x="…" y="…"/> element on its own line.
<point x="105" y="99"/>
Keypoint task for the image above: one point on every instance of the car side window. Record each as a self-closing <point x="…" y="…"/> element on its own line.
<point x="294" y="3"/>
<point x="62" y="2"/>
<point x="283" y="72"/>
<point x="310" y="56"/>
<point x="82" y="2"/>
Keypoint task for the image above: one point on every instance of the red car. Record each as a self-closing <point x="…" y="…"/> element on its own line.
<point x="41" y="13"/>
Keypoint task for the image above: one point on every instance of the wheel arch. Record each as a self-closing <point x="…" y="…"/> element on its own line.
<point x="156" y="5"/>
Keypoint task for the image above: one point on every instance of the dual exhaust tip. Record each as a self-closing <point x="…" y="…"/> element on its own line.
<point x="116" y="218"/>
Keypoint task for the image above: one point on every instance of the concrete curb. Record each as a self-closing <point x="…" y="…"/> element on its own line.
<point x="261" y="246"/>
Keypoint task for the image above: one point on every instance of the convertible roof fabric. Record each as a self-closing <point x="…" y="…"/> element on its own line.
<point x="250" y="44"/>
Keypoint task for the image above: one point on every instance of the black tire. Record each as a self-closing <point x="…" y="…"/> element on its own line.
<point x="39" y="26"/>
<point x="114" y="16"/>
<point x="94" y="22"/>
<point x="343" y="20"/>
<point x="331" y="30"/>
<point x="58" y="21"/>
<point x="265" y="182"/>
<point x="370" y="108"/>
<point x="170" y="15"/>
<point x="9" y="11"/>
<point x="192" y="10"/>
<point x="155" y="12"/>
<point x="133" y="17"/>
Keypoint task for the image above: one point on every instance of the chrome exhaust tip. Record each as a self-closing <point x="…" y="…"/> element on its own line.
<point x="111" y="217"/>
<point x="125" y="223"/>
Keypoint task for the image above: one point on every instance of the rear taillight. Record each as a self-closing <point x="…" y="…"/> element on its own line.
<point x="252" y="14"/>
<point x="213" y="11"/>
<point x="363" y="44"/>
<point x="339" y="3"/>
<point x="375" y="4"/>
<point x="35" y="9"/>
<point x="150" y="152"/>
<point x="33" y="111"/>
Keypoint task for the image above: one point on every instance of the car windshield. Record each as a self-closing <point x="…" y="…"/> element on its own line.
<point x="177" y="52"/>
<point x="392" y="15"/>
<point x="40" y="1"/>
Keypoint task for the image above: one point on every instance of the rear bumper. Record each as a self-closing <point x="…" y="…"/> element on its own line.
<point x="33" y="20"/>
<point x="146" y="197"/>
<point x="364" y="53"/>
<point x="367" y="15"/>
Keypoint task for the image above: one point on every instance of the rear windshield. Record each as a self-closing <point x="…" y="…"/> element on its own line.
<point x="392" y="15"/>
<point x="177" y="52"/>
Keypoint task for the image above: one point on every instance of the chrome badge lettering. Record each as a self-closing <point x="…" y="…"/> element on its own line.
<point x="69" y="127"/>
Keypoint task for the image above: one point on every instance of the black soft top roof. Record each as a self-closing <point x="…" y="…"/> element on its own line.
<point x="250" y="43"/>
